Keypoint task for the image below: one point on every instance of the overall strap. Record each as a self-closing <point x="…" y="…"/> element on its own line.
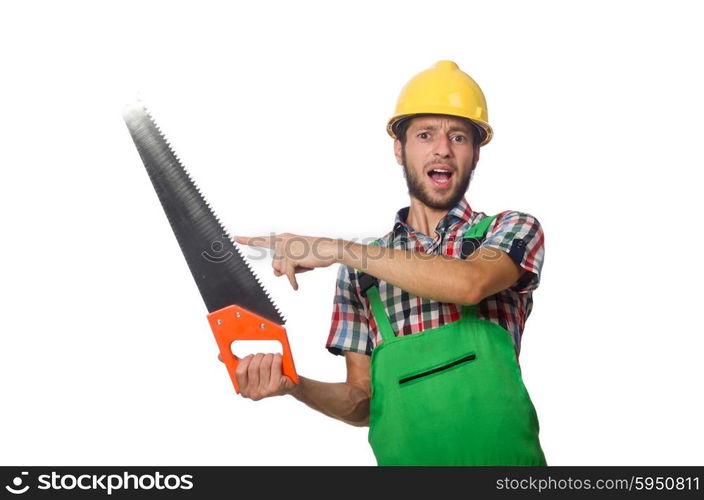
<point x="471" y="241"/>
<point x="368" y="284"/>
<point x="479" y="229"/>
<point x="379" y="313"/>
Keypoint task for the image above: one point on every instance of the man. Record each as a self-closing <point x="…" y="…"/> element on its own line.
<point x="429" y="318"/>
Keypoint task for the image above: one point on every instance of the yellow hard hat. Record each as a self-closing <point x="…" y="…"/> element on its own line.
<point x="443" y="89"/>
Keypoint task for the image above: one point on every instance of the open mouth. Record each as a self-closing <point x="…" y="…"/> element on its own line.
<point x="440" y="176"/>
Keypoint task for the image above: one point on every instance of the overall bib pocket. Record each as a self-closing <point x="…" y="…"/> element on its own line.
<point x="438" y="369"/>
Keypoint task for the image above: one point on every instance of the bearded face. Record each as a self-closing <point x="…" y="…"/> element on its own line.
<point x="438" y="160"/>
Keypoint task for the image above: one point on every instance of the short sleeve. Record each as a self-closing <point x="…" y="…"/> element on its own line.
<point x="349" y="330"/>
<point x="519" y="235"/>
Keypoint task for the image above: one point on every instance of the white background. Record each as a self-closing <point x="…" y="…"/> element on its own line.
<point x="278" y="110"/>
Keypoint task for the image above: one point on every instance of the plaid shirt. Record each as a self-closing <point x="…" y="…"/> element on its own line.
<point x="516" y="233"/>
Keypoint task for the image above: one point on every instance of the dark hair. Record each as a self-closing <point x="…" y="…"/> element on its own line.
<point x="401" y="127"/>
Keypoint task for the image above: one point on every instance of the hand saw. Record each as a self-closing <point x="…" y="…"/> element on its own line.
<point x="239" y="306"/>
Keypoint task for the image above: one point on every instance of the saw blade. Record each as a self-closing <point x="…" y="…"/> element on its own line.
<point x="221" y="272"/>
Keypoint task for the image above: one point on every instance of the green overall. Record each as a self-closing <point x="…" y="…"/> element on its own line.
<point x="451" y="395"/>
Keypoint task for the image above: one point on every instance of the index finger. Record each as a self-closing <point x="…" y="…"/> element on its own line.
<point x="255" y="241"/>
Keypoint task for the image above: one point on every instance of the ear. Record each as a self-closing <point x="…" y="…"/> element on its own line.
<point x="398" y="151"/>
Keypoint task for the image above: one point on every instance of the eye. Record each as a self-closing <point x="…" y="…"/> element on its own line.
<point x="459" y="139"/>
<point x="423" y="135"/>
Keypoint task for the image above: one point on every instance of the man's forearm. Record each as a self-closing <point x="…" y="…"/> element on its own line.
<point x="435" y="277"/>
<point x="342" y="400"/>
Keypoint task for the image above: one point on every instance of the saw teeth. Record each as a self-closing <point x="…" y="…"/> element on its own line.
<point x="208" y="206"/>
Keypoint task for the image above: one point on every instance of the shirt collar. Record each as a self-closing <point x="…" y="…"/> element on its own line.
<point x="460" y="212"/>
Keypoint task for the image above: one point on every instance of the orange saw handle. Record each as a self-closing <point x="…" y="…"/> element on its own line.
<point x="236" y="323"/>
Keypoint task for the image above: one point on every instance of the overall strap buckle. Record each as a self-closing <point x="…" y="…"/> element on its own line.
<point x="469" y="245"/>
<point x="366" y="281"/>
<point x="474" y="236"/>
